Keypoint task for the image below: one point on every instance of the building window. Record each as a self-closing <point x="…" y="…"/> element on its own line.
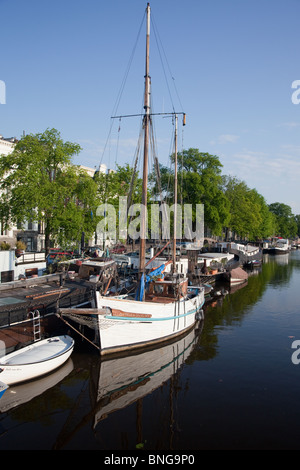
<point x="7" y="276"/>
<point x="29" y="244"/>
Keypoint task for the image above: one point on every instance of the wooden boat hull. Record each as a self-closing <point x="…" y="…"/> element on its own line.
<point x="236" y="276"/>
<point x="130" y="324"/>
<point x="35" y="360"/>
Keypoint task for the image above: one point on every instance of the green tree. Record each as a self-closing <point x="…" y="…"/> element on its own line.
<point x="297" y="220"/>
<point x="268" y="222"/>
<point x="249" y="213"/>
<point x="286" y="225"/>
<point x="241" y="218"/>
<point x="38" y="182"/>
<point x="118" y="183"/>
<point x="199" y="182"/>
<point x="121" y="182"/>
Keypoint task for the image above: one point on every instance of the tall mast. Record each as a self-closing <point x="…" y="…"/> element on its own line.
<point x="146" y="149"/>
<point x="175" y="199"/>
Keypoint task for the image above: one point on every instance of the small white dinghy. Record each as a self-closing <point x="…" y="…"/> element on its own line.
<point x="3" y="388"/>
<point x="35" y="360"/>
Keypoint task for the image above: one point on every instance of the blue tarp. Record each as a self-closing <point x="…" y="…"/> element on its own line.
<point x="155" y="273"/>
<point x="140" y="290"/>
<point x="145" y="279"/>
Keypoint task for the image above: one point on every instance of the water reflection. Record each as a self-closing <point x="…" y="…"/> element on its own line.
<point x="164" y="394"/>
<point x="231" y="310"/>
<point x="20" y="394"/>
<point x="87" y="390"/>
<point x="117" y="383"/>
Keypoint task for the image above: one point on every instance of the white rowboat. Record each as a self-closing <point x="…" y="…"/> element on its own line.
<point x="35" y="360"/>
<point x="3" y="388"/>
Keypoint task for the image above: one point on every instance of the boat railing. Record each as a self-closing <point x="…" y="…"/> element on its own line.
<point x="30" y="258"/>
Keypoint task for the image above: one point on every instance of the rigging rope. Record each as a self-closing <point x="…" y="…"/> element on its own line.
<point x="129" y="200"/>
<point x="117" y="148"/>
<point x="158" y="40"/>
<point x="118" y="99"/>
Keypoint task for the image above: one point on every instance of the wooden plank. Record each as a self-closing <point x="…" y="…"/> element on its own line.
<point x="121" y="313"/>
<point x="102" y="311"/>
<point x="82" y="311"/>
<point x="46" y="294"/>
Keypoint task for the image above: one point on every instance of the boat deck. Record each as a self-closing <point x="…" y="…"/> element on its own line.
<point x="22" y="297"/>
<point x="159" y="299"/>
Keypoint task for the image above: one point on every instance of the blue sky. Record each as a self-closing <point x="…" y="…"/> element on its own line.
<point x="230" y="67"/>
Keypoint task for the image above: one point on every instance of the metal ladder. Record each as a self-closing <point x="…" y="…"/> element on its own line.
<point x="36" y="325"/>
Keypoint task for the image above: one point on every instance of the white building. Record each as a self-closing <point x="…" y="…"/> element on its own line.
<point x="91" y="171"/>
<point x="7" y="145"/>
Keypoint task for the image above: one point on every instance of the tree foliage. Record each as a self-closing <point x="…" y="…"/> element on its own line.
<point x="286" y="223"/>
<point x="118" y="183"/>
<point x="249" y="213"/>
<point x="229" y="204"/>
<point x="39" y="183"/>
<point x="199" y="182"/>
<point x="297" y="220"/>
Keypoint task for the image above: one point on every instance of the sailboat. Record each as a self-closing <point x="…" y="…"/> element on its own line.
<point x="163" y="307"/>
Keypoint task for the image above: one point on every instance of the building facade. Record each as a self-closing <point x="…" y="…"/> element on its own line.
<point x="7" y="145"/>
<point x="31" y="233"/>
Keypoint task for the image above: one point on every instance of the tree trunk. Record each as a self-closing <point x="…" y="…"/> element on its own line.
<point x="47" y="239"/>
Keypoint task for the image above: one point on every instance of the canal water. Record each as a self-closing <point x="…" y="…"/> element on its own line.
<point x="233" y="383"/>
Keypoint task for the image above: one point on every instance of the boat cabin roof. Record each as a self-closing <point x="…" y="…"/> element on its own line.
<point x="95" y="266"/>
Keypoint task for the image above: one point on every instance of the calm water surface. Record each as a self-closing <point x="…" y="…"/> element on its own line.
<point x="229" y="385"/>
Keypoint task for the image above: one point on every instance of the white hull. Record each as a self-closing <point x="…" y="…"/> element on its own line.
<point x="130" y="324"/>
<point x="234" y="282"/>
<point x="280" y="251"/>
<point x="35" y="360"/>
<point x="281" y="247"/>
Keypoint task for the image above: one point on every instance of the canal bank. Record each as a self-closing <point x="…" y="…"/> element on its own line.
<point x="231" y="385"/>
